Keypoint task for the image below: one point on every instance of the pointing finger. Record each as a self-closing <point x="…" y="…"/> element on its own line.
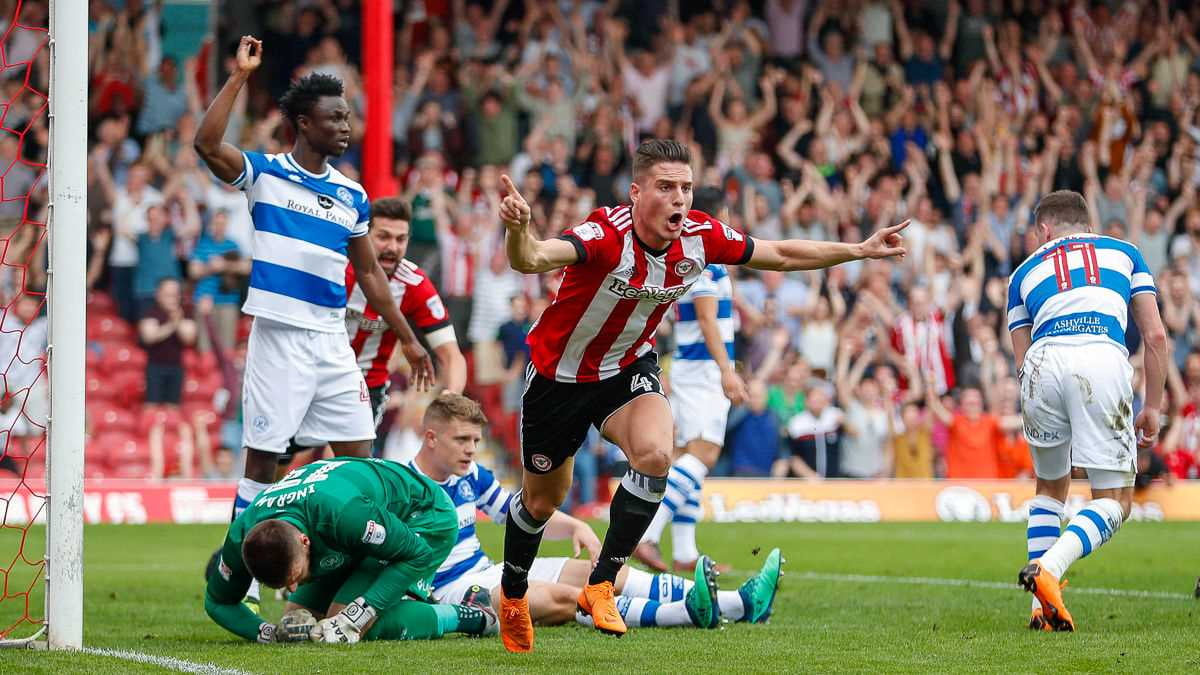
<point x="510" y="188"/>
<point x="892" y="229"/>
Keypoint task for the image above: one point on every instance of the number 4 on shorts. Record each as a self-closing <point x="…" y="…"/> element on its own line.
<point x="642" y="382"/>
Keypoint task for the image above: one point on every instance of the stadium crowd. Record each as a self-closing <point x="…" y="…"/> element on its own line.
<point x="819" y="120"/>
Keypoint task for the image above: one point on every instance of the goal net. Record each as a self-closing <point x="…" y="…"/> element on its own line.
<point x="42" y="298"/>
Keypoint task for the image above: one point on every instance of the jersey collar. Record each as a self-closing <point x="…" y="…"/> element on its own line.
<point x="296" y="165"/>
<point x="646" y="247"/>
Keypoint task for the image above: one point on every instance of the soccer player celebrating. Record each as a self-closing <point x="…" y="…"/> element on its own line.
<point x="349" y="538"/>
<point x="1068" y="304"/>
<point x="372" y="339"/>
<point x="703" y="385"/>
<point x="593" y="361"/>
<point x="453" y="428"/>
<point x="301" y="377"/>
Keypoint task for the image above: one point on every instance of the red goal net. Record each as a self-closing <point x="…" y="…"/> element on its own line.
<point x="24" y="391"/>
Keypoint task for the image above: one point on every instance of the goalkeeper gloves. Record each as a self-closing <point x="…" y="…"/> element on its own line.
<point x="347" y="626"/>
<point x="295" y="626"/>
<point x="266" y="633"/>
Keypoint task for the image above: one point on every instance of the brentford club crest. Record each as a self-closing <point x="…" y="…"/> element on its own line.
<point x="683" y="267"/>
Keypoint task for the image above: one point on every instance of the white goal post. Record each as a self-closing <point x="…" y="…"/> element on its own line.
<point x="67" y="298"/>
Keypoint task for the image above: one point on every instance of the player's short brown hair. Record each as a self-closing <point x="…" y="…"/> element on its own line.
<point x="451" y="406"/>
<point x="657" y="151"/>
<point x="393" y="208"/>
<point x="1063" y="209"/>
<point x="270" y="551"/>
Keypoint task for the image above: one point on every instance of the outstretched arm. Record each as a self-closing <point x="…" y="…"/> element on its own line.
<point x="800" y="254"/>
<point x="223" y="159"/>
<point x="527" y="254"/>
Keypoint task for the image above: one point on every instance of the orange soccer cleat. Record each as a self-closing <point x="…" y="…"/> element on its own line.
<point x="516" y="625"/>
<point x="596" y="600"/>
<point x="1037" y="621"/>
<point x="1048" y="590"/>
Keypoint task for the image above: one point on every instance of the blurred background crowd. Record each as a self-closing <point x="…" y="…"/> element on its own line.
<point x="819" y="120"/>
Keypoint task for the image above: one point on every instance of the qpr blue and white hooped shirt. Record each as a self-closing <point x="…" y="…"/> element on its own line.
<point x="714" y="282"/>
<point x="1077" y="289"/>
<point x="303" y="223"/>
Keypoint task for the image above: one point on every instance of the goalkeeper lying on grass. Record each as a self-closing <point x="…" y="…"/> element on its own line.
<point x="356" y="542"/>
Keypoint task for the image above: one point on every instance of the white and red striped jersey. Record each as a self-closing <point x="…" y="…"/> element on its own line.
<point x="613" y="298"/>
<point x="370" y="337"/>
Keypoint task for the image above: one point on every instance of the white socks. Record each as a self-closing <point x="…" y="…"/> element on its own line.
<point x="680" y="507"/>
<point x="247" y="491"/>
<point x="1088" y="530"/>
<point x="683" y="530"/>
<point x="670" y="589"/>
<point x="1045" y="521"/>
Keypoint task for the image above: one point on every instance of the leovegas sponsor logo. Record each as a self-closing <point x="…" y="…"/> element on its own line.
<point x="962" y="503"/>
<point x="792" y="507"/>
<point x="764" y="500"/>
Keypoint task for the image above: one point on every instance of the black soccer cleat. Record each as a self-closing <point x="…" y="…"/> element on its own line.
<point x="477" y="595"/>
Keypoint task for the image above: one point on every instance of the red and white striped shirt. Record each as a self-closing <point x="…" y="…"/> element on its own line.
<point x="613" y="298"/>
<point x="370" y="337"/>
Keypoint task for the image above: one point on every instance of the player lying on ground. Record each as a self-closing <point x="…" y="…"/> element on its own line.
<point x="452" y="431"/>
<point x="704" y="383"/>
<point x="301" y="377"/>
<point x="350" y="538"/>
<point x="593" y="362"/>
<point x="1068" y="304"/>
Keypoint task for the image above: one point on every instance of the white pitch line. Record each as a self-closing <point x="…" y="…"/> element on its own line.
<point x="972" y="583"/>
<point x="164" y="662"/>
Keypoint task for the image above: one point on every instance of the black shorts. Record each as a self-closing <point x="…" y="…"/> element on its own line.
<point x="378" y="396"/>
<point x="164" y="383"/>
<point x="555" y="416"/>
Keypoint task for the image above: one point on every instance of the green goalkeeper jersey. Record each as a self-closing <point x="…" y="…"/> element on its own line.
<point x="352" y="510"/>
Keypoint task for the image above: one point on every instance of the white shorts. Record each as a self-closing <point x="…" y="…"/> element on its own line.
<point x="1077" y="404"/>
<point x="546" y="570"/>
<point x="698" y="402"/>
<point x="302" y="383"/>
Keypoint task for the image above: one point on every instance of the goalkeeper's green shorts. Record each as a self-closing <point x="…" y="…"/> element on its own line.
<point x="438" y="527"/>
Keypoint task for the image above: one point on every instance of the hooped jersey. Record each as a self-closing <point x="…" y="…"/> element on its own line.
<point x="689" y="339"/>
<point x="614" y="296"/>
<point x="476" y="490"/>
<point x="1077" y="289"/>
<point x="303" y="223"/>
<point x="373" y="342"/>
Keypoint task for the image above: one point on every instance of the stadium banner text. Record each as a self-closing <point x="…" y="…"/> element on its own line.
<point x="128" y="501"/>
<point x="726" y="500"/>
<point x="766" y="500"/>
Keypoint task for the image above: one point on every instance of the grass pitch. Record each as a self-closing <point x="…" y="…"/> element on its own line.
<point x="882" y="598"/>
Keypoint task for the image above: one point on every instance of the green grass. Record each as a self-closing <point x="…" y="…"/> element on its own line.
<point x="144" y="593"/>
